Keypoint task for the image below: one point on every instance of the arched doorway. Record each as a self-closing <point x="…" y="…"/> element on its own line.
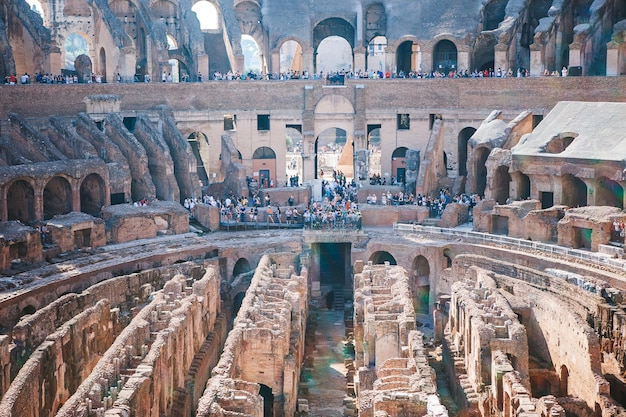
<point x="199" y="141"/>
<point x="268" y="400"/>
<point x="574" y="191"/>
<point x="103" y="65"/>
<point x="609" y="193"/>
<point x="563" y="381"/>
<point x="336" y="53"/>
<point x="241" y="267"/>
<point x="21" y="202"/>
<point x="329" y="147"/>
<point x="380" y="257"/>
<point x="398" y="165"/>
<point x="75" y="45"/>
<point x="207" y="15"/>
<point x="523" y="185"/>
<point x="482" y="154"/>
<point x="291" y="58"/>
<point x="421" y="284"/>
<point x="463" y="138"/>
<point x="264" y="166"/>
<point x="449" y="256"/>
<point x="57" y="198"/>
<point x="374" y="152"/>
<point x="92" y="194"/>
<point x="294" y="165"/>
<point x="405" y="61"/>
<point x="376" y="54"/>
<point x="252" y="58"/>
<point x="501" y="182"/>
<point x="445" y="57"/>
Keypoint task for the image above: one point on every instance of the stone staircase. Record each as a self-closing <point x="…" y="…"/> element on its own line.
<point x="339" y="302"/>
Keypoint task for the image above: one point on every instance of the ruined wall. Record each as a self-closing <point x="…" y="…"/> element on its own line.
<point x="151" y="358"/>
<point x="393" y="372"/>
<point x="266" y="345"/>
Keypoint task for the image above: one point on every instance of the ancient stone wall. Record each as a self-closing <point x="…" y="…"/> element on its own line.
<point x="393" y="371"/>
<point x="266" y="345"/>
<point x="150" y="360"/>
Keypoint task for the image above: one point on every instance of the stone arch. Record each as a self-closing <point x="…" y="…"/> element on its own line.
<point x="483" y="55"/>
<point x="334" y="104"/>
<point x="609" y="193"/>
<point x="208" y="14"/>
<point x="92" y="194"/>
<point x="462" y="139"/>
<point x="405" y="56"/>
<point x="501" y="182"/>
<point x="198" y="142"/>
<point x="445" y="56"/>
<point x="264" y="162"/>
<point x="398" y="163"/>
<point x="329" y="146"/>
<point x="480" y="181"/>
<point x="75" y="44"/>
<point x="294" y="164"/>
<point x="381" y="256"/>
<point x="573" y="191"/>
<point x="164" y="10"/>
<point x="57" y="197"/>
<point x="268" y="400"/>
<point x="290" y="55"/>
<point x="374" y="151"/>
<point x="21" y="201"/>
<point x="375" y="21"/>
<point x="241" y="267"/>
<point x="330" y="27"/>
<point x="376" y="54"/>
<point x="420" y="284"/>
<point x="522" y="184"/>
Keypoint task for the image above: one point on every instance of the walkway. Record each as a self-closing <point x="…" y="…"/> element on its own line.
<point x="323" y="381"/>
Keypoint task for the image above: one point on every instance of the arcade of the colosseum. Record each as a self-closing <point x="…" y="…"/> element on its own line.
<point x="470" y="262"/>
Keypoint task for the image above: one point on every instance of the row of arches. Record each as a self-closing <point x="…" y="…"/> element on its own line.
<point x="29" y="201"/>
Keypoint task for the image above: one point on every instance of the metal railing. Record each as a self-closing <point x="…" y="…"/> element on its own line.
<point x="591" y="257"/>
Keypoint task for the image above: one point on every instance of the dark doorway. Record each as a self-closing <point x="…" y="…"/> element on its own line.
<point x="481" y="170"/>
<point x="237" y="304"/>
<point x="582" y="238"/>
<point x="380" y="257"/>
<point x="82" y="238"/>
<point x="547" y="199"/>
<point x="268" y="400"/>
<point x="333" y="261"/>
<point x="264" y="178"/>
<point x="400" y="173"/>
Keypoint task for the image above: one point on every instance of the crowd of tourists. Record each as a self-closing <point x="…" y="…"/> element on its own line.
<point x="436" y="205"/>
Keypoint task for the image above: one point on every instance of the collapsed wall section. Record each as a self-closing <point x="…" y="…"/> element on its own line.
<point x="260" y="364"/>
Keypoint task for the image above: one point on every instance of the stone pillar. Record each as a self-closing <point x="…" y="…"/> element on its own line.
<point x="203" y="67"/>
<point x="575" y="54"/>
<point x="387" y="341"/>
<point x="536" y="60"/>
<point x="463" y="58"/>
<point x="359" y="59"/>
<point x="128" y="61"/>
<point x="75" y="186"/>
<point x="390" y="59"/>
<point x="38" y="200"/>
<point x="427" y="58"/>
<point x="308" y="135"/>
<point x="239" y="63"/>
<point x="500" y="59"/>
<point x="307" y="60"/>
<point x="275" y="61"/>
<point x="615" y="59"/>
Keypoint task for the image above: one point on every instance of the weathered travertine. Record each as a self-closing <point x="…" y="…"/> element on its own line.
<point x="266" y="345"/>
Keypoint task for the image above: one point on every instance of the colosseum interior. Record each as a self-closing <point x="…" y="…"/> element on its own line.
<point x="467" y="258"/>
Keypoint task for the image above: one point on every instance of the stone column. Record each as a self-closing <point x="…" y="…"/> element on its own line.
<point x="614" y="56"/>
<point x="38" y="199"/>
<point x="307" y="60"/>
<point x="536" y="60"/>
<point x="275" y="61"/>
<point x="500" y="59"/>
<point x="575" y="54"/>
<point x="75" y="186"/>
<point x="308" y="135"/>
<point x="359" y="59"/>
<point x="463" y="58"/>
<point x="390" y="59"/>
<point x="427" y="58"/>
